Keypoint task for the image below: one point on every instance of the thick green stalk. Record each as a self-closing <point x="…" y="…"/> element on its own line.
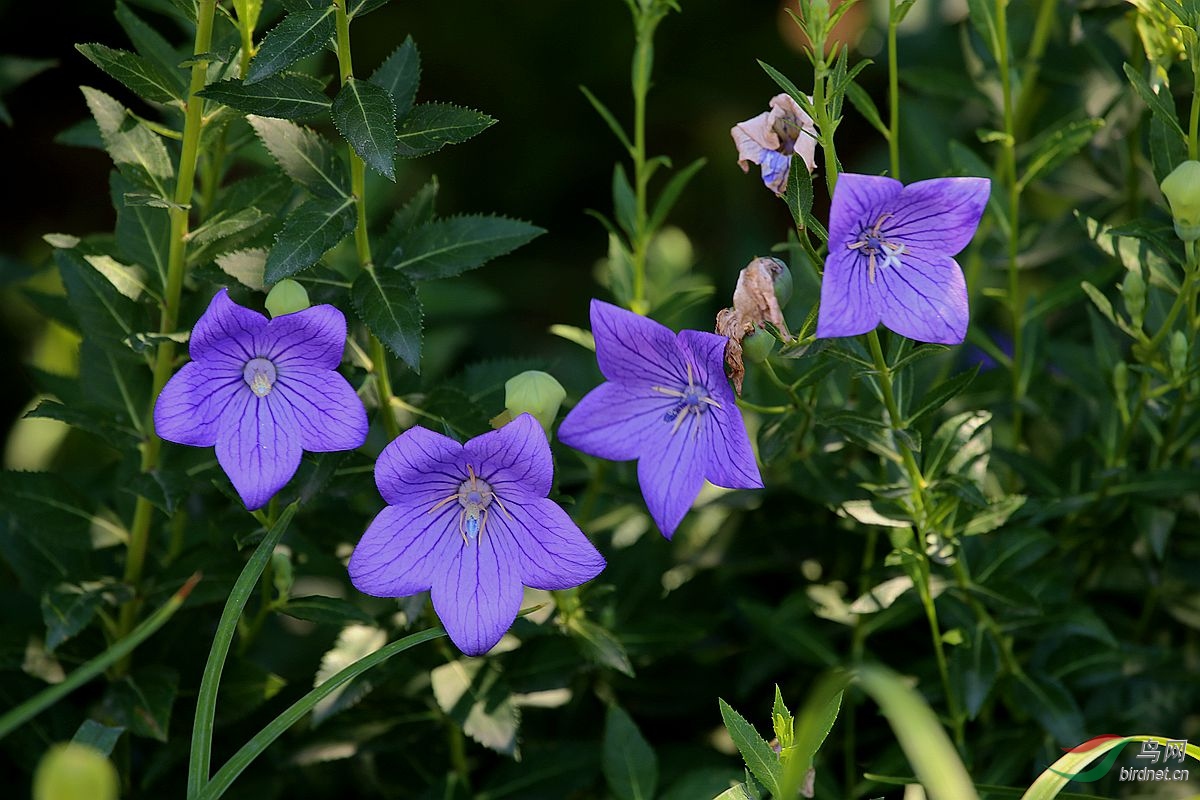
<point x="1009" y="164"/>
<point x="1194" y="119"/>
<point x="16" y="717"/>
<point x="143" y="513"/>
<point x="362" y="242"/>
<point x="893" y="92"/>
<point x="641" y="88"/>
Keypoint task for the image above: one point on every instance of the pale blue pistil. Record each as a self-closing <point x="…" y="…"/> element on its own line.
<point x="259" y="374"/>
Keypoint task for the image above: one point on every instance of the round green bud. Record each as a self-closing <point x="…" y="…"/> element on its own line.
<point x="536" y="393"/>
<point x="286" y="297"/>
<point x="282" y="574"/>
<point x="757" y="346"/>
<point x="1177" y="353"/>
<point x="782" y="283"/>
<point x="1133" y="291"/>
<point x="1182" y="190"/>
<point x="75" y="772"/>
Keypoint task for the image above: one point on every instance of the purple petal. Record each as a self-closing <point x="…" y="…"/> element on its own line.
<point x="857" y="201"/>
<point x="477" y="594"/>
<point x="552" y="553"/>
<point x="190" y="405"/>
<point x="937" y="216"/>
<point x="329" y="414"/>
<point x="923" y="298"/>
<point x="420" y="468"/>
<point x="258" y="446"/>
<point x="614" y="421"/>
<point x="513" y="459"/>
<point x="226" y="332"/>
<point x="846" y="307"/>
<point x="403" y="548"/>
<point x="775" y="170"/>
<point x="314" y="337"/>
<point x="633" y="349"/>
<point x="671" y="472"/>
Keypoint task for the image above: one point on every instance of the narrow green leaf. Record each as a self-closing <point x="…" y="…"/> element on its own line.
<point x="784" y="83"/>
<point x="1167" y="149"/>
<point x="608" y="118"/>
<point x="359" y="8"/>
<point x="1056" y="146"/>
<point x="300" y="34"/>
<point x="386" y="301"/>
<point x="447" y="247"/>
<point x="143" y="700"/>
<point x="472" y="694"/>
<point x="630" y="766"/>
<point x="288" y="95"/>
<point x="416" y="212"/>
<point x="670" y="194"/>
<point x="400" y="74"/>
<point x="98" y="736"/>
<point x="151" y="44"/>
<point x="431" y="126"/>
<point x="863" y="103"/>
<point x="994" y="515"/>
<point x="277" y="727"/>
<point x="304" y="155"/>
<point x="307" y="234"/>
<point x="325" y="610"/>
<point x="366" y="117"/>
<point x="942" y="394"/>
<point x="210" y="681"/>
<point x="1163" y="108"/>
<point x="67" y="609"/>
<point x="140" y="75"/>
<point x="798" y="194"/>
<point x="758" y="755"/>
<point x="624" y="201"/>
<point x="131" y="145"/>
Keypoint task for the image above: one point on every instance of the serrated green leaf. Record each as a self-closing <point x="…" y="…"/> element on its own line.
<point x="942" y="394"/>
<point x="359" y="8"/>
<point x="471" y="693"/>
<point x="386" y="301"/>
<point x="447" y="247"/>
<point x="150" y="43"/>
<point x="96" y="735"/>
<point x="366" y="117"/>
<point x="140" y="75"/>
<point x="1056" y="146"/>
<point x="288" y="95"/>
<point x="630" y="766"/>
<point x="759" y="758"/>
<point x="104" y="314"/>
<point x="245" y="266"/>
<point x="142" y="701"/>
<point x="601" y="645"/>
<point x="15" y="70"/>
<point x="798" y="194"/>
<point x="132" y="147"/>
<point x="143" y="232"/>
<point x="69" y="608"/>
<point x="416" y="212"/>
<point x="307" y="234"/>
<point x="128" y="280"/>
<point x="325" y="610"/>
<point x="995" y="515"/>
<point x="300" y="34"/>
<point x="1163" y="108"/>
<point x="431" y="126"/>
<point x="224" y="231"/>
<point x="400" y="75"/>
<point x="304" y="155"/>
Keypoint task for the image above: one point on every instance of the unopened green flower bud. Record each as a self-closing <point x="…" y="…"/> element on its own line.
<point x="1121" y="382"/>
<point x="757" y="346"/>
<point x="536" y="393"/>
<point x="782" y="283"/>
<point x="1177" y="353"/>
<point x="1133" y="290"/>
<point x="1182" y="190"/>
<point x="75" y="772"/>
<point x="286" y="297"/>
<point x="281" y="572"/>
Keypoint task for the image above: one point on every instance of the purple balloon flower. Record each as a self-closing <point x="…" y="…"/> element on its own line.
<point x="262" y="391"/>
<point x="666" y="403"/>
<point x="890" y="259"/>
<point x="471" y="524"/>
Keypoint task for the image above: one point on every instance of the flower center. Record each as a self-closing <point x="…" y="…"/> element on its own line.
<point x="259" y="374"/>
<point x="873" y="243"/>
<point x="474" y="495"/>
<point x="692" y="399"/>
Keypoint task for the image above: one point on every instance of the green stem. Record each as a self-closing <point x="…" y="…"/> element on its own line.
<point x="143" y="513"/>
<point x="1009" y="163"/>
<point x="893" y="92"/>
<point x="641" y="88"/>
<point x="227" y="774"/>
<point x="362" y="241"/>
<point x="1194" y="120"/>
<point x="786" y="387"/>
<point x="1033" y="62"/>
<point x="18" y="716"/>
<point x="210" y="682"/>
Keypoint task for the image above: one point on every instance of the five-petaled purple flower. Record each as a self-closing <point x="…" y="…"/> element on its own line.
<point x="666" y="403"/>
<point x="262" y="391"/>
<point x="471" y="524"/>
<point x="891" y="250"/>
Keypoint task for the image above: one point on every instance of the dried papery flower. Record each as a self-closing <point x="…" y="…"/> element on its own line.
<point x="755" y="301"/>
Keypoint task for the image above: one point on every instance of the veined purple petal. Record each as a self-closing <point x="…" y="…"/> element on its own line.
<point x="671" y="472"/>
<point x="258" y="446"/>
<point x="937" y="216"/>
<point x="614" y="421"/>
<point x="846" y="307"/>
<point x="329" y="415"/>
<point x="775" y="170"/>
<point x="925" y="298"/>
<point x="478" y="592"/>
<point x="633" y="349"/>
<point x="403" y="548"/>
<point x="420" y="468"/>
<point x="190" y="405"/>
<point x="858" y="201"/>
<point x="552" y="553"/>
<point x="226" y="332"/>
<point x="314" y="337"/>
<point x="513" y="459"/>
<point x="707" y="351"/>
